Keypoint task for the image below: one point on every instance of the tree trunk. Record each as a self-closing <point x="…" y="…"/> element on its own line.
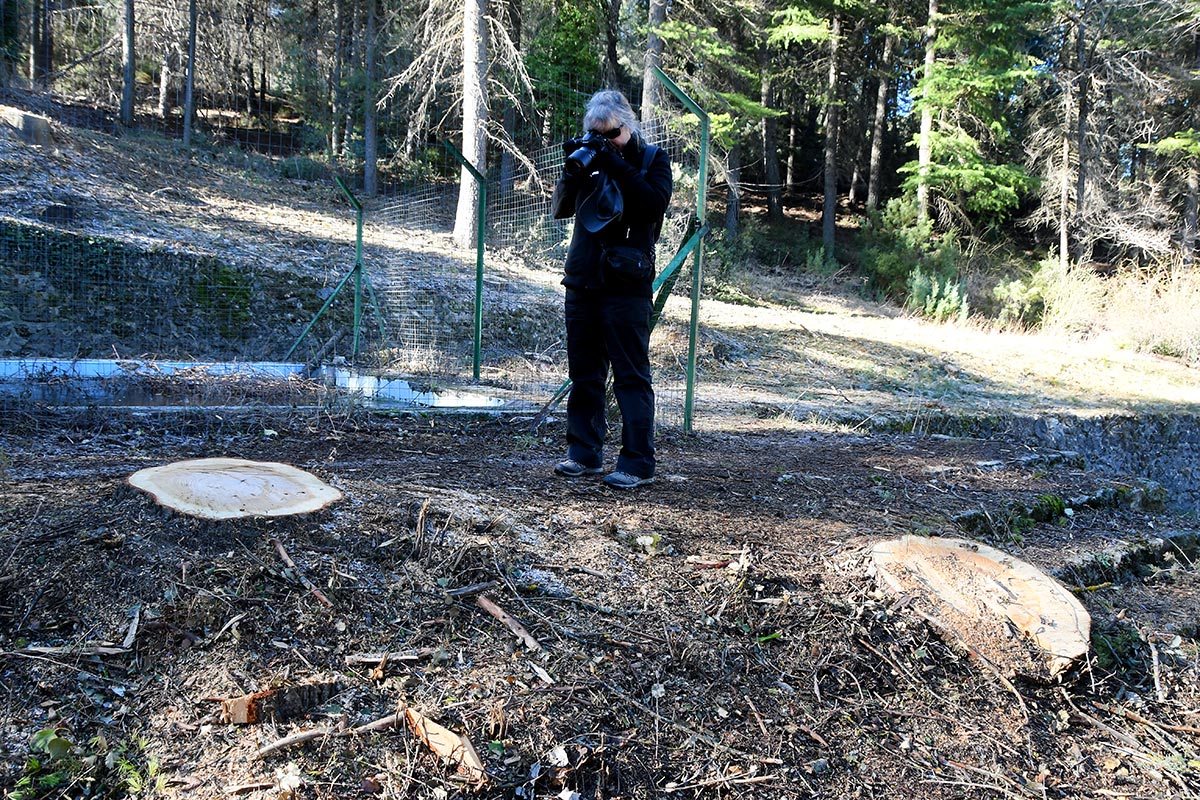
<point x="1083" y="104"/>
<point x="1064" y="207"/>
<point x="165" y="69"/>
<point x="41" y="44"/>
<point x="879" y="124"/>
<point x="248" y="64"/>
<point x="35" y="7"/>
<point x="771" y="151"/>
<point x="262" y="65"/>
<point x="733" y="205"/>
<point x="354" y="58"/>
<point x="474" y="120"/>
<point x="8" y="39"/>
<point x="790" y="170"/>
<point x="1189" y="213"/>
<point x="508" y="166"/>
<point x="128" y="59"/>
<point x="337" y="93"/>
<point x="189" y="89"/>
<point x="925" y="138"/>
<point x="829" y="211"/>
<point x="370" y="114"/>
<point x="860" y="144"/>
<point x="612" y="20"/>
<point x="654" y="52"/>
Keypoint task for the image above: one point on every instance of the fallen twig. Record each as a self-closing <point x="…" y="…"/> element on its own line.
<point x="388" y="722"/>
<point x="67" y="650"/>
<point x="1125" y="712"/>
<point x="382" y="724"/>
<point x="683" y="787"/>
<point x="1158" y="687"/>
<point x="296" y="738"/>
<point x="300" y="575"/>
<point x="472" y="589"/>
<point x="379" y="658"/>
<point x="241" y="788"/>
<point x="484" y="602"/>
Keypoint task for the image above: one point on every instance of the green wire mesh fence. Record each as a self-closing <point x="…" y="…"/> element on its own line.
<point x="100" y="305"/>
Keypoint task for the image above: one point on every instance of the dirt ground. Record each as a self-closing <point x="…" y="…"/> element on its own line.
<point x="716" y="634"/>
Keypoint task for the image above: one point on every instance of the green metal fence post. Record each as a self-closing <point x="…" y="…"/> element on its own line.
<point x="480" y="231"/>
<point x="358" y="273"/>
<point x="698" y="264"/>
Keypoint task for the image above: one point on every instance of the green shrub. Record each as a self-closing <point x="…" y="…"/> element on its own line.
<point x="940" y="300"/>
<point x="1022" y="301"/>
<point x="304" y="168"/>
<point x="905" y="261"/>
<point x="896" y="244"/>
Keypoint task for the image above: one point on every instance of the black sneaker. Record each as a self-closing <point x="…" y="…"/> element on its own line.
<point x="623" y="480"/>
<point x="573" y="469"/>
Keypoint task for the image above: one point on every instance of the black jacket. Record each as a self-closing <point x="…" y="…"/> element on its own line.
<point x="646" y="197"/>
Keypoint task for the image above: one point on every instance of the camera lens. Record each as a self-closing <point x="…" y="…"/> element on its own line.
<point x="579" y="160"/>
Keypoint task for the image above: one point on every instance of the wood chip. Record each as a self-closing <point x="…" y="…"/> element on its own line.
<point x="447" y="744"/>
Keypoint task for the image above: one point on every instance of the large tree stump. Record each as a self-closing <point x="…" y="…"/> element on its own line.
<point x="999" y="607"/>
<point x="231" y="488"/>
<point x="33" y="128"/>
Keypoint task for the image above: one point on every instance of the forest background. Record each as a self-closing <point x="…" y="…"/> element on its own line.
<point x="1026" y="163"/>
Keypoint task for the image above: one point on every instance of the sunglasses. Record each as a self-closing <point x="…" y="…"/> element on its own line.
<point x="614" y="133"/>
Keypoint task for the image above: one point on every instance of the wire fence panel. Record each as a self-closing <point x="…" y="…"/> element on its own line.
<point x="166" y="312"/>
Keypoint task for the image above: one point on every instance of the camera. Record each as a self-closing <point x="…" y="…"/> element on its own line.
<point x="586" y="147"/>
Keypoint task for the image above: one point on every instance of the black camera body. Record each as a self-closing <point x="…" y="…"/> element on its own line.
<point x="580" y="159"/>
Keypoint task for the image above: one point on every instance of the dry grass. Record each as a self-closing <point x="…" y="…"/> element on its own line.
<point x="1149" y="312"/>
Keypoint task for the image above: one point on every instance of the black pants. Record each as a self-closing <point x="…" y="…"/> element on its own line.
<point x="606" y="331"/>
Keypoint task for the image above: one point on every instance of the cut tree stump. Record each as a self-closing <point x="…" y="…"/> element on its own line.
<point x="231" y="488"/>
<point x="276" y="705"/>
<point x="999" y="607"/>
<point x="33" y="128"/>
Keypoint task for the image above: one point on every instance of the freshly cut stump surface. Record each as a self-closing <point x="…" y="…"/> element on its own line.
<point x="231" y="488"/>
<point x="1001" y="608"/>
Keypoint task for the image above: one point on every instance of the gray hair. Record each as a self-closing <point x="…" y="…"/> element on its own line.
<point x="607" y="109"/>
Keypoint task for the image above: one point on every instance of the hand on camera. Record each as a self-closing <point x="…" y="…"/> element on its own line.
<point x="570" y="146"/>
<point x="609" y="159"/>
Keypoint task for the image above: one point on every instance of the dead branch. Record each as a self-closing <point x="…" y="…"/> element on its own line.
<point x="296" y="738"/>
<point x="242" y="788"/>
<point x="1130" y="715"/>
<point x="472" y="589"/>
<point x="696" y="733"/>
<point x="388" y="722"/>
<point x="300" y="575"/>
<point x="683" y="787"/>
<point x="378" y="658"/>
<point x="67" y="650"/>
<point x="516" y="627"/>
